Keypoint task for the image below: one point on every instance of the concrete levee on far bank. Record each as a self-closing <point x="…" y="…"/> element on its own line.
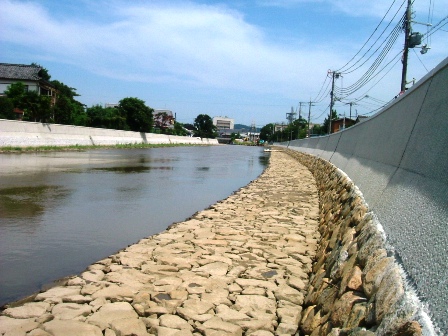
<point x="33" y="134"/>
<point x="399" y="161"/>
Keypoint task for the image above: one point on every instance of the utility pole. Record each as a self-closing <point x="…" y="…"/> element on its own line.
<point x="300" y="110"/>
<point x="309" y="116"/>
<point x="334" y="75"/>
<point x="407" y="34"/>
<point x="290" y="118"/>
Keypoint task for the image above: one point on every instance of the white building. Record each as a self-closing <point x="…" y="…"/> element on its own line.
<point x="223" y="123"/>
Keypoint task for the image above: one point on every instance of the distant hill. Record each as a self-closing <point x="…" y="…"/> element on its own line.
<point x="244" y="127"/>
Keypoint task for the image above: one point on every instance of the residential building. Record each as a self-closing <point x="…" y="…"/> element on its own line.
<point x="29" y="75"/>
<point x="279" y="127"/>
<point x="163" y="118"/>
<point x="341" y="123"/>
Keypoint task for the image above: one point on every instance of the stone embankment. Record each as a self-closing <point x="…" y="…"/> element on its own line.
<point x="356" y="287"/>
<point x="240" y="267"/>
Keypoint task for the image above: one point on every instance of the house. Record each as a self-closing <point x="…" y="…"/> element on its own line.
<point x="30" y="76"/>
<point x="163" y="119"/>
<point x="361" y="118"/>
<point x="341" y="123"/>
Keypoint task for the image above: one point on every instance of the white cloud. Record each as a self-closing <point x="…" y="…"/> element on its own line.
<point x="180" y="44"/>
<point x="192" y="44"/>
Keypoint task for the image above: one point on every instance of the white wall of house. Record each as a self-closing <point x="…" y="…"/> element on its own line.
<point x="5" y="83"/>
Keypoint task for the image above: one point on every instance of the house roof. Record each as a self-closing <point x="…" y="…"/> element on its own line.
<point x="19" y="71"/>
<point x="361" y="118"/>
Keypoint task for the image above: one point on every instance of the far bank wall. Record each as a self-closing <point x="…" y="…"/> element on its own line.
<point x="33" y="134"/>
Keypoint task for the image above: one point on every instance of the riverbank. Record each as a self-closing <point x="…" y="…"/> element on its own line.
<point x="11" y="149"/>
<point x="239" y="267"/>
<point x="15" y="133"/>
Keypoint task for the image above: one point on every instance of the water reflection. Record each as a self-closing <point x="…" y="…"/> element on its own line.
<point x="23" y="202"/>
<point x="129" y="170"/>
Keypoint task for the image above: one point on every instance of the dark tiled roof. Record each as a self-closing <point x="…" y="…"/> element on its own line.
<point x="19" y="71"/>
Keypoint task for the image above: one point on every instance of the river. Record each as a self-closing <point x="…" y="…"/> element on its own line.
<point x="61" y="211"/>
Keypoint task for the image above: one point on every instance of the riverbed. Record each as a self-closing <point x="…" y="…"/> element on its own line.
<point x="61" y="211"/>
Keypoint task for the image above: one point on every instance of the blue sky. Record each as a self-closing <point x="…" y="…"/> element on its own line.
<point x="249" y="60"/>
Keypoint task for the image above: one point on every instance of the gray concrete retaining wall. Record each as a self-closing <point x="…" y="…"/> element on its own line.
<point x="399" y="160"/>
<point x="33" y="134"/>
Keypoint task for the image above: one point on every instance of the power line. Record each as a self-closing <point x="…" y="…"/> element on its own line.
<point x="345" y="71"/>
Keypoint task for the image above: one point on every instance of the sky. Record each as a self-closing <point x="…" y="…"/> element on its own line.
<point x="253" y="61"/>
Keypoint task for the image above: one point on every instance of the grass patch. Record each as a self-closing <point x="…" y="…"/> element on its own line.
<point x="14" y="149"/>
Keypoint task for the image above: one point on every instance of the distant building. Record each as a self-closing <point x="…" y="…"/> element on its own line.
<point x="361" y="118"/>
<point x="341" y="123"/>
<point x="28" y="75"/>
<point x="163" y="118"/>
<point x="279" y="127"/>
<point x="111" y="105"/>
<point x="222" y="123"/>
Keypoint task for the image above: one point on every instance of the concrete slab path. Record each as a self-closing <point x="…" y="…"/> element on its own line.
<point x="237" y="268"/>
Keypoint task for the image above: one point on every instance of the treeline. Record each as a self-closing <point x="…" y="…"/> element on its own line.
<point x="131" y="114"/>
<point x="298" y="129"/>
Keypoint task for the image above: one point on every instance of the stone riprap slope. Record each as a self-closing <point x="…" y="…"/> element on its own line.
<point x="237" y="268"/>
<point x="357" y="287"/>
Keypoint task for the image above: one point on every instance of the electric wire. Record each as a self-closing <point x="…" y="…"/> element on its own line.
<point x="420" y="60"/>
<point x="323" y="84"/>
<point x="433" y="28"/>
<point x="346" y="71"/>
<point x="396" y="58"/>
<point x="371" y="35"/>
<point x="369" y="73"/>
<point x="324" y="95"/>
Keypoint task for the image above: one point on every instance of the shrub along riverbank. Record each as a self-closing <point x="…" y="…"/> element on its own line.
<point x="30" y="149"/>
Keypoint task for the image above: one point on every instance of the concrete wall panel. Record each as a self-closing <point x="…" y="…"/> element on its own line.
<point x="427" y="151"/>
<point x="330" y="146"/>
<point x="414" y="210"/>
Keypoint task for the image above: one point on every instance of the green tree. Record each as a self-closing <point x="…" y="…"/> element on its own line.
<point x="43" y="73"/>
<point x="267" y="132"/>
<point x="296" y="130"/>
<point x="6" y="108"/>
<point x="35" y="107"/>
<point x="318" y="130"/>
<point x="326" y="123"/>
<point x="67" y="109"/>
<point x="204" y="127"/>
<point x="139" y="117"/>
<point x="106" y="117"/>
<point x="179" y="129"/>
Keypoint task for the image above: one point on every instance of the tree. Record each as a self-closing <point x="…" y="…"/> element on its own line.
<point x="296" y="130"/>
<point x="35" y="107"/>
<point x="6" y="108"/>
<point x="204" y="127"/>
<point x="67" y="109"/>
<point x="106" y="117"/>
<point x="326" y="123"/>
<point x="138" y="116"/>
<point x="267" y="132"/>
<point x="179" y="129"/>
<point x="43" y="73"/>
